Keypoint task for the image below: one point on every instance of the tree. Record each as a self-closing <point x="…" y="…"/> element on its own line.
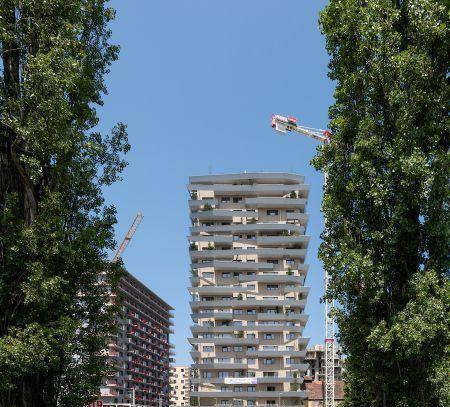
<point x="55" y="229"/>
<point x="386" y="237"/>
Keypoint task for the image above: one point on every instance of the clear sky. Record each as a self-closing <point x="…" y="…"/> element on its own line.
<point x="197" y="82"/>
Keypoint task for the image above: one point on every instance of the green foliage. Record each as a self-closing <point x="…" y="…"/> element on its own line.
<point x="207" y="207"/>
<point x="193" y="246"/>
<point x="55" y="230"/>
<point x="293" y="195"/>
<point x="386" y="236"/>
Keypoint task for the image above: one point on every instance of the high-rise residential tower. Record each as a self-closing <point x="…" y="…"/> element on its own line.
<point x="140" y="350"/>
<point x="180" y="385"/>
<point x="247" y="249"/>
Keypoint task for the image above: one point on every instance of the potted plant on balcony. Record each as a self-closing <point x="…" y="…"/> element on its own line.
<point x="207" y="207"/>
<point x="240" y="297"/>
<point x="193" y="247"/>
<point x="289" y="272"/>
<point x="293" y="195"/>
<point x="194" y="195"/>
<point x="210" y="246"/>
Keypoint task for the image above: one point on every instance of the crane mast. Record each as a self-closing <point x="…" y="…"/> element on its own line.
<point x="283" y="124"/>
<point x="137" y="220"/>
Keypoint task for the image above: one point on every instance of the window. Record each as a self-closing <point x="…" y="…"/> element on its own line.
<point x="208" y="348"/>
<point x="208" y="275"/>
<point x="238" y="312"/>
<point x="222" y="374"/>
<point x="237" y="199"/>
<point x="226" y="349"/>
<point x="251" y="361"/>
<point x="225" y="199"/>
<point x="226" y="275"/>
<point x="251" y="312"/>
<point x="238" y="388"/>
<point x="268" y="361"/>
<point x="270" y="388"/>
<point x="251" y="388"/>
<point x="272" y="212"/>
<point x="251" y="237"/>
<point x="272" y="261"/>
<point x="270" y="374"/>
<point x="290" y="262"/>
<point x="206" y="375"/>
<point x="290" y="336"/>
<point x="290" y="210"/>
<point x="272" y="287"/>
<point x="238" y="349"/>
<point x="269" y="336"/>
<point x="251" y="286"/>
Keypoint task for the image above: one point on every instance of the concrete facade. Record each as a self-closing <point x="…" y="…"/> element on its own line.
<point x="315" y="357"/>
<point x="140" y="351"/>
<point x="180" y="384"/>
<point x="247" y="250"/>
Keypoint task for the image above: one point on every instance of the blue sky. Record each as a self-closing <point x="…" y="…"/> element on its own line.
<point x="196" y="83"/>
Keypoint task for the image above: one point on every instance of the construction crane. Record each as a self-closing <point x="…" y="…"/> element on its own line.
<point x="283" y="124"/>
<point x="137" y="220"/>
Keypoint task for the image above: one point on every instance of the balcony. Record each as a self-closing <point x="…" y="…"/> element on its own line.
<point x="248" y="228"/>
<point x="224" y="341"/>
<point x="245" y="328"/>
<point x="233" y="265"/>
<point x="223" y="214"/>
<point x="219" y="366"/>
<point x="285" y="241"/>
<point x="217" y="315"/>
<point x="251" y="395"/>
<point x="275" y="190"/>
<point x="271" y="278"/>
<point x="273" y="252"/>
<point x="276" y="353"/>
<point x="212" y="239"/>
<point x="296" y="289"/>
<point x="268" y="203"/>
<point x="214" y="289"/>
<point x="302" y="367"/>
<point x="266" y="316"/>
<point x="248" y="303"/>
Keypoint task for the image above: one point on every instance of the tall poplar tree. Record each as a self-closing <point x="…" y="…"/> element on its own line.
<point x="386" y="238"/>
<point x="54" y="226"/>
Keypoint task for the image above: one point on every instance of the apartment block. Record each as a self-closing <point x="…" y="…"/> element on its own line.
<point x="247" y="250"/>
<point x="180" y="384"/>
<point x="315" y="357"/>
<point x="140" y="351"/>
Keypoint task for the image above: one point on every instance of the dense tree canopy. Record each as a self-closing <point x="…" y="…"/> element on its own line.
<point x="386" y="202"/>
<point x="54" y="226"/>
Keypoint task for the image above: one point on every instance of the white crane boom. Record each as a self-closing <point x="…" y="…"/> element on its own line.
<point x="128" y="236"/>
<point x="282" y="124"/>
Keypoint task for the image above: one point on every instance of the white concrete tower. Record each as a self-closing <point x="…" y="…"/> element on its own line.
<point x="247" y="249"/>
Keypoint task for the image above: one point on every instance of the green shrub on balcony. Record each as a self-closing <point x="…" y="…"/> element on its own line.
<point x="252" y="221"/>
<point x="207" y="207"/>
<point x="285" y="233"/>
<point x="293" y="195"/>
<point x="210" y="247"/>
<point x="289" y="272"/>
<point x="193" y="247"/>
<point x="194" y="195"/>
<point x="240" y="297"/>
